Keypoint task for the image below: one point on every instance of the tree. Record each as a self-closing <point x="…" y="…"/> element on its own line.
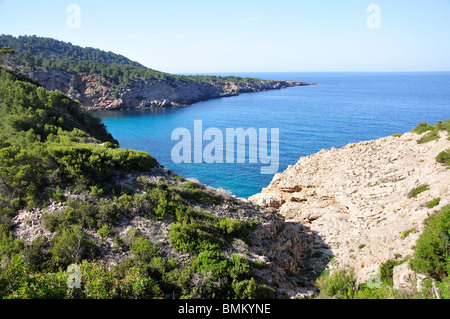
<point x="71" y="246"/>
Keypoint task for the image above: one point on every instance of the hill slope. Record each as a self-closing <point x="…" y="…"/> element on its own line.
<point x="367" y="201"/>
<point x="69" y="195"/>
<point x="104" y="80"/>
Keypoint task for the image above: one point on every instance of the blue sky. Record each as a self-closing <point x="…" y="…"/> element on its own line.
<point x="192" y="36"/>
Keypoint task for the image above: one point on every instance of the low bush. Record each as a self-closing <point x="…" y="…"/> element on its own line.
<point x="194" y="192"/>
<point x="144" y="250"/>
<point x="434" y="202"/>
<point x="195" y="237"/>
<point x="432" y="250"/>
<point x="419" y="189"/>
<point x="71" y="246"/>
<point x="37" y="257"/>
<point x="433" y="130"/>
<point x="430" y="136"/>
<point x="444" y="158"/>
<point x="340" y="284"/>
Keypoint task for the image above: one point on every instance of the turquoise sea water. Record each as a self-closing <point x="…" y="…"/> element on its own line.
<point x="343" y="108"/>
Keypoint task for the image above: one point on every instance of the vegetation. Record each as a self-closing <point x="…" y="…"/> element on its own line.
<point x="432" y="251"/>
<point x="48" y="140"/>
<point x="417" y="190"/>
<point x="46" y="48"/>
<point x="431" y="258"/>
<point x="432" y="130"/>
<point x="444" y="158"/>
<point x="434" y="202"/>
<point x="52" y="150"/>
<point x="38" y="53"/>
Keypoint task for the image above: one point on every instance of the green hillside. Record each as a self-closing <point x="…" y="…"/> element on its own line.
<point x="34" y="53"/>
<point x="48" y="48"/>
<point x="52" y="152"/>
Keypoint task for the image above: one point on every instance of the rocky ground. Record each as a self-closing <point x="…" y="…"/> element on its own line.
<point x="279" y="248"/>
<point x="355" y="200"/>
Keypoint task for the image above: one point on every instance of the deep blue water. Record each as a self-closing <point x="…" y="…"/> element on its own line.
<point x="343" y="108"/>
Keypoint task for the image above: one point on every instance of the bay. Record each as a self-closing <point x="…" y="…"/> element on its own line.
<point x="343" y="108"/>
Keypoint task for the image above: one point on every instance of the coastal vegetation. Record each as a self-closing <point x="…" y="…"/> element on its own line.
<point x="432" y="131"/>
<point x="51" y="148"/>
<point x="40" y="53"/>
<point x="54" y="154"/>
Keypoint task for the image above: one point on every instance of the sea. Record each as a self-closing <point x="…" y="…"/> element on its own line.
<point x="342" y="108"/>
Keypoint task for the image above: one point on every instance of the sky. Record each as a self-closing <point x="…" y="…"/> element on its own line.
<point x="197" y="36"/>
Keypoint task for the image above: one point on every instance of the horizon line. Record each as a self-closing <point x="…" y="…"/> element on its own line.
<point x="233" y="72"/>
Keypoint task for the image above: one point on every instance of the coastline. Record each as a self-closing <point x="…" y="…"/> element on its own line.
<point x="97" y="93"/>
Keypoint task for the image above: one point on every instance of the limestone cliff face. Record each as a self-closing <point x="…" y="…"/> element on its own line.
<point x="356" y="199"/>
<point x="97" y="93"/>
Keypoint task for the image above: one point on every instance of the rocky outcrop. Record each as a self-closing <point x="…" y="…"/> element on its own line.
<point x="280" y="248"/>
<point x="356" y="199"/>
<point x="98" y="93"/>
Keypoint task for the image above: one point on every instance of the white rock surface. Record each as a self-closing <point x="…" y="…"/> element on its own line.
<point x="356" y="198"/>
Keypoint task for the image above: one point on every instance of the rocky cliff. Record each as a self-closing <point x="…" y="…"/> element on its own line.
<point x="357" y="200"/>
<point x="280" y="248"/>
<point x="98" y="93"/>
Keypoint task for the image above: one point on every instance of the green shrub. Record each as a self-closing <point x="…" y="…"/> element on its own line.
<point x="195" y="237"/>
<point x="422" y="128"/>
<point x="260" y="264"/>
<point x="9" y="246"/>
<point x="16" y="282"/>
<point x="444" y="158"/>
<point x="84" y="214"/>
<point x="249" y="289"/>
<point x="37" y="257"/>
<point x="341" y="284"/>
<point x="433" y="130"/>
<point x="211" y="261"/>
<point x="239" y="267"/>
<point x="163" y="204"/>
<point x="144" y="250"/>
<point x="138" y="285"/>
<point x="56" y="194"/>
<point x="406" y="233"/>
<point x="107" y="213"/>
<point x="105" y="231"/>
<point x="194" y="192"/>
<point x="71" y="246"/>
<point x="381" y="292"/>
<point x="434" y="202"/>
<point x="387" y="272"/>
<point x="432" y="250"/>
<point x="430" y="136"/>
<point x="419" y="189"/>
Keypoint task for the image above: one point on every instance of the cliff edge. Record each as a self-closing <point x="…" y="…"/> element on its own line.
<point x="363" y="200"/>
<point x="96" y="92"/>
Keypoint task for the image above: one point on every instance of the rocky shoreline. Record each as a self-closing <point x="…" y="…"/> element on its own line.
<point x="98" y="93"/>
